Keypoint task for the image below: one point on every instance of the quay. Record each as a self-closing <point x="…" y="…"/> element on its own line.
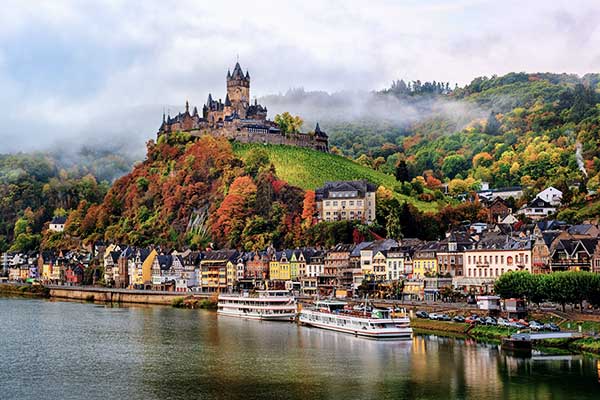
<point x="523" y="342"/>
<point x="110" y="295"/>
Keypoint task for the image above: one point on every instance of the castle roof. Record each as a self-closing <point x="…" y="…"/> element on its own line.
<point x="319" y="132"/>
<point x="238" y="73"/>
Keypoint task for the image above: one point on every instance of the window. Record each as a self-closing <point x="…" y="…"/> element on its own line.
<point x="343" y="203"/>
<point x="359" y="203"/>
<point x="496" y="260"/>
<point x="351" y="202"/>
<point x="327" y="203"/>
<point x="335" y="203"/>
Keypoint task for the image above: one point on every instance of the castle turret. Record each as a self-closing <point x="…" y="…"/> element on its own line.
<point x="238" y="89"/>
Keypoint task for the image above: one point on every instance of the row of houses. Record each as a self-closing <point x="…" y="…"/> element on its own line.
<point x="469" y="260"/>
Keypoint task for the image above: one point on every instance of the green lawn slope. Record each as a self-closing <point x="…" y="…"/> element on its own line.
<point x="310" y="169"/>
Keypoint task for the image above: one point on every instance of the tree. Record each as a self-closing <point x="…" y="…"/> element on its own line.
<point x="256" y="159"/>
<point x="288" y="123"/>
<point x="492" y="126"/>
<point x="309" y="208"/>
<point x="454" y="165"/>
<point x="402" y="174"/>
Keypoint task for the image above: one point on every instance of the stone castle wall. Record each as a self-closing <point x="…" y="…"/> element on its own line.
<point x="298" y="140"/>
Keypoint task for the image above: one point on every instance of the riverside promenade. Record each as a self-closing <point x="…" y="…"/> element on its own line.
<point x="111" y="295"/>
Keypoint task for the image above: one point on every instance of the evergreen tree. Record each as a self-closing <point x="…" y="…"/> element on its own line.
<point x="492" y="126"/>
<point x="402" y="174"/>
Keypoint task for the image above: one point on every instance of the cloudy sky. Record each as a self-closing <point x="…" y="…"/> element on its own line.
<point x="85" y="71"/>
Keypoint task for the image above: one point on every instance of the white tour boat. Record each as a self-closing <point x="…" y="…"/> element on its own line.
<point x="338" y="316"/>
<point x="276" y="305"/>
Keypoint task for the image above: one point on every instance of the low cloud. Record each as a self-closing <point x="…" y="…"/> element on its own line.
<point x="74" y="73"/>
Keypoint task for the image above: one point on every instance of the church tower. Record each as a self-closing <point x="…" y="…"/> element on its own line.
<point x="238" y="90"/>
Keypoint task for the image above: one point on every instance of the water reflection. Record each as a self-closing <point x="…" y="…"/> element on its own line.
<point x="161" y="352"/>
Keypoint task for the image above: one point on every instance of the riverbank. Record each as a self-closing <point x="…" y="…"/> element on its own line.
<point x="24" y="290"/>
<point x="109" y="295"/>
<point x="496" y="334"/>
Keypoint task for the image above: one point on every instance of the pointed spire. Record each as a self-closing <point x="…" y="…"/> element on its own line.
<point x="228" y="74"/>
<point x="195" y="111"/>
<point x="247" y="75"/>
<point x="210" y="100"/>
<point x="317" y="128"/>
<point x="164" y="115"/>
<point x="227" y="101"/>
<point x="237" y="72"/>
<point x="187" y="107"/>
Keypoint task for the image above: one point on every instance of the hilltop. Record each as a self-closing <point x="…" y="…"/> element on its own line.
<point x="310" y="169"/>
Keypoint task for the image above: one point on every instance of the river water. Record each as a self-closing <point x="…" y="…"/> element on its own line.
<point x="68" y="350"/>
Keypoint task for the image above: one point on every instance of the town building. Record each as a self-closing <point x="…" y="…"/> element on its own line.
<point x="497" y="210"/>
<point x="425" y="262"/>
<point x="551" y="195"/>
<point x="450" y="251"/>
<point x="346" y="200"/>
<point x="58" y="224"/>
<point x="537" y="209"/>
<point x="214" y="270"/>
<point x="494" y="255"/>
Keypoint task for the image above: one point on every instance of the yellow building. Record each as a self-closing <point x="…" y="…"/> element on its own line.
<point x="425" y="261"/>
<point x="146" y="277"/>
<point x="280" y="266"/>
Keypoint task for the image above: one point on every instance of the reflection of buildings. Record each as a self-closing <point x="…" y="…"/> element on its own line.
<point x="456" y="368"/>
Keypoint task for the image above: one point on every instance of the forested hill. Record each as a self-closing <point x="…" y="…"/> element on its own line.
<point x="529" y="129"/>
<point x="523" y="129"/>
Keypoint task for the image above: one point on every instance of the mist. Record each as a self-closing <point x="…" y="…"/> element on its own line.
<point x="354" y="106"/>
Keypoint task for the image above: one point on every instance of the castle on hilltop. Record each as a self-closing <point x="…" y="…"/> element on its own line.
<point x="236" y="118"/>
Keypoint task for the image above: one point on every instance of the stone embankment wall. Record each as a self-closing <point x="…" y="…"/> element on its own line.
<point x="117" y="295"/>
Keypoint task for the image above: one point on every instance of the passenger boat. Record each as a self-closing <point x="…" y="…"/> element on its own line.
<point x="276" y="305"/>
<point x="336" y="315"/>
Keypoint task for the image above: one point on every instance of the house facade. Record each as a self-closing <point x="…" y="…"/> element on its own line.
<point x="346" y="200"/>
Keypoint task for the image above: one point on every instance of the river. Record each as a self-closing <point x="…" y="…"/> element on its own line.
<point x="69" y="350"/>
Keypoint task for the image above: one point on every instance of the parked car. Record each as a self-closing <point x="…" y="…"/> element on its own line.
<point x="458" y="318"/>
<point x="444" y="317"/>
<point x="434" y="316"/>
<point x="503" y="322"/>
<point x="524" y="322"/>
<point x="552" y="327"/>
<point x="473" y="319"/>
<point x="422" y="314"/>
<point x="517" y="325"/>
<point x="536" y="326"/>
<point x="490" y="321"/>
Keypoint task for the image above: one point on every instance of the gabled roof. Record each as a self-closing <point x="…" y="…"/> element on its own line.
<point x="220" y="255"/>
<point x="164" y="261"/>
<point x="362" y="187"/>
<point x="581" y="229"/>
<point x="539" y="203"/>
<point x="343" y="248"/>
<point x="59" y="220"/>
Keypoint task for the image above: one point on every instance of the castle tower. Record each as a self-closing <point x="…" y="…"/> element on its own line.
<point x="238" y="89"/>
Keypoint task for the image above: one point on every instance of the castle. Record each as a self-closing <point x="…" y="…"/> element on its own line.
<point x="236" y="118"/>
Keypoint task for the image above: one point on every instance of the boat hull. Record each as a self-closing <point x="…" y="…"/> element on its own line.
<point x="399" y="333"/>
<point x="258" y="316"/>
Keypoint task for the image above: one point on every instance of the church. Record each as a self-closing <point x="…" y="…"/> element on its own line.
<point x="237" y="119"/>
